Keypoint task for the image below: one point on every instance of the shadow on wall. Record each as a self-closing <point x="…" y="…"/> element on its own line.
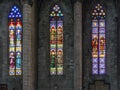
<point x="3" y="86"/>
<point x="99" y="85"/>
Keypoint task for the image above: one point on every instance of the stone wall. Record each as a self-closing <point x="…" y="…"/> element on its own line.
<point x="111" y="45"/>
<point x="45" y="80"/>
<point x="40" y="38"/>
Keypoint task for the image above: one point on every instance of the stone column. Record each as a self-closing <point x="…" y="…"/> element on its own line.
<point x="28" y="54"/>
<point x="118" y="31"/>
<point x="78" y="45"/>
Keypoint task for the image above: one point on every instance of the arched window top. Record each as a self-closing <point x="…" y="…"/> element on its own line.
<point x="98" y="12"/>
<point x="15" y="12"/>
<point x="56" y="12"/>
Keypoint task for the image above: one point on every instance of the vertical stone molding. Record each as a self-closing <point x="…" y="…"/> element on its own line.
<point x="28" y="65"/>
<point x="118" y="31"/>
<point x="78" y="45"/>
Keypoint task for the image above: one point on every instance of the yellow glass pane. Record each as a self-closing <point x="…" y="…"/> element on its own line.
<point x="18" y="49"/>
<point x="18" y="71"/>
<point x="12" y="49"/>
<point x="53" y="71"/>
<point x="95" y="54"/>
<point x="11" y="71"/>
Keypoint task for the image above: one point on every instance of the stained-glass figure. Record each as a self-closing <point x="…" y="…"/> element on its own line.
<point x="15" y="41"/>
<point x="98" y="40"/>
<point x="56" y="41"/>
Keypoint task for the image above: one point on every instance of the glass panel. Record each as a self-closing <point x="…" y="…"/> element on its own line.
<point x="101" y="42"/>
<point x="98" y="40"/>
<point x="95" y="65"/>
<point x="102" y="65"/>
<point x="102" y="51"/>
<point x="95" y="45"/>
<point x="56" y="41"/>
<point x="12" y="47"/>
<point x="101" y="30"/>
<point x="95" y="30"/>
<point x="53" y="61"/>
<point x="53" y="47"/>
<point x="59" y="47"/>
<point x="95" y="23"/>
<point x="15" y="41"/>
<point x="102" y="23"/>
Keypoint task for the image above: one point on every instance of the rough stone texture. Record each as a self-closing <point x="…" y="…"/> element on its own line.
<point x="28" y="47"/>
<point x="99" y="85"/>
<point x="72" y="76"/>
<point x="77" y="43"/>
<point x="118" y="38"/>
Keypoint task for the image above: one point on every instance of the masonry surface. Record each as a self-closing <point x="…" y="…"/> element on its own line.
<point x="77" y="46"/>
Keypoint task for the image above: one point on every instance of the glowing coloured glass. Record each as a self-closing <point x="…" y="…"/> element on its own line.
<point x="15" y="41"/>
<point x="98" y="40"/>
<point x="56" y="41"/>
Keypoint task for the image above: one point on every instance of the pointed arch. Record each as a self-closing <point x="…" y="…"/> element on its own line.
<point x="56" y="40"/>
<point x="98" y="40"/>
<point x="15" y="41"/>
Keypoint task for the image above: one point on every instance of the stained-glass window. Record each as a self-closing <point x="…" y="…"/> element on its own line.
<point x="15" y="41"/>
<point x="98" y="40"/>
<point x="56" y="41"/>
